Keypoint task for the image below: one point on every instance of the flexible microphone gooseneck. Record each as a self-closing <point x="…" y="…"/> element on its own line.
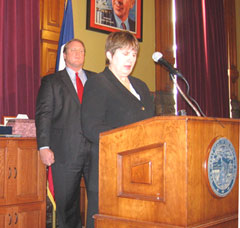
<point x="158" y="58"/>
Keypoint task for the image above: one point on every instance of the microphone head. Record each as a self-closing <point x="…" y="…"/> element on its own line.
<point x="156" y="56"/>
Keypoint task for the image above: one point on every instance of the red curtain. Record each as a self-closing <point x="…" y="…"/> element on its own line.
<point x="202" y="56"/>
<point x="19" y="56"/>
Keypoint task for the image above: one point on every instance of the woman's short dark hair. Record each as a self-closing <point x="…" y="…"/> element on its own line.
<point x="118" y="40"/>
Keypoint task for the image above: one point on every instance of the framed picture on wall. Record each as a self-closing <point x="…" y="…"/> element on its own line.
<point x="110" y="15"/>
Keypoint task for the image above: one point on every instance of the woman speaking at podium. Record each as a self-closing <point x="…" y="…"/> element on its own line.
<point x="112" y="99"/>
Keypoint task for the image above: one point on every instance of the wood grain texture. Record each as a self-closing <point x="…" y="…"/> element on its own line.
<point x="177" y="193"/>
<point x="51" y="15"/>
<point x="23" y="193"/>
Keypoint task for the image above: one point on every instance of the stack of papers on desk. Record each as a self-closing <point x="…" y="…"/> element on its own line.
<point x="10" y="136"/>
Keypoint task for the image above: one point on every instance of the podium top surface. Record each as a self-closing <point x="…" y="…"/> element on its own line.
<point x="221" y="121"/>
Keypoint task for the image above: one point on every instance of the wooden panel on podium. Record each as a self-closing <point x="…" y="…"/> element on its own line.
<point x="154" y="174"/>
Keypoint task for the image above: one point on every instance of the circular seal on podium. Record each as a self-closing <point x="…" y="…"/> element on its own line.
<point x="221" y="167"/>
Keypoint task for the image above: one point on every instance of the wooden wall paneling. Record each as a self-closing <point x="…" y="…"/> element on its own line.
<point x="164" y="96"/>
<point x="49" y="55"/>
<point x="52" y="15"/>
<point x="230" y="19"/>
<point x="51" y="20"/>
<point x="164" y="42"/>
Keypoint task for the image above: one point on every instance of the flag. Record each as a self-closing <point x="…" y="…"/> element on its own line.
<point x="50" y="188"/>
<point x="67" y="33"/>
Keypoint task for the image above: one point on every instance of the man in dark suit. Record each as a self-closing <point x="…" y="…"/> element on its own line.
<point x="119" y="16"/>
<point x="60" y="139"/>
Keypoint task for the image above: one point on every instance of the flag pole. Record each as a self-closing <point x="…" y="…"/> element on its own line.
<point x="66" y="34"/>
<point x="50" y="194"/>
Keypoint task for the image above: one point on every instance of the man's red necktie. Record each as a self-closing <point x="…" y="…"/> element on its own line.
<point x="123" y="26"/>
<point x="79" y="87"/>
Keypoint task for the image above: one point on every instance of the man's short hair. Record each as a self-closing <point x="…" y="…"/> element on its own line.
<point x="70" y="41"/>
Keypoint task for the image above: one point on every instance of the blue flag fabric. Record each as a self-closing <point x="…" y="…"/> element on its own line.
<point x="67" y="33"/>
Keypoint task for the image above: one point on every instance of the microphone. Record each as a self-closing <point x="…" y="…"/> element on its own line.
<point x="158" y="58"/>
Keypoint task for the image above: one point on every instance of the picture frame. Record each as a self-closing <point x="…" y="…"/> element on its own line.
<point x="5" y="119"/>
<point x="101" y="18"/>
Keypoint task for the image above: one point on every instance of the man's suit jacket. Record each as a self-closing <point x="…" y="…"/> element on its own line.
<point x="107" y="104"/>
<point x="109" y="19"/>
<point x="58" y="117"/>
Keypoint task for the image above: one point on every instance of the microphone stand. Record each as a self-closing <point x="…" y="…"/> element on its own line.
<point x="184" y="96"/>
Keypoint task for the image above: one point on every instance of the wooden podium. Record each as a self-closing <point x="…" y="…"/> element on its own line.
<point x="154" y="173"/>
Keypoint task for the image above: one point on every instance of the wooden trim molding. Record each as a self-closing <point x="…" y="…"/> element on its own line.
<point x="230" y="26"/>
<point x="164" y="42"/>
